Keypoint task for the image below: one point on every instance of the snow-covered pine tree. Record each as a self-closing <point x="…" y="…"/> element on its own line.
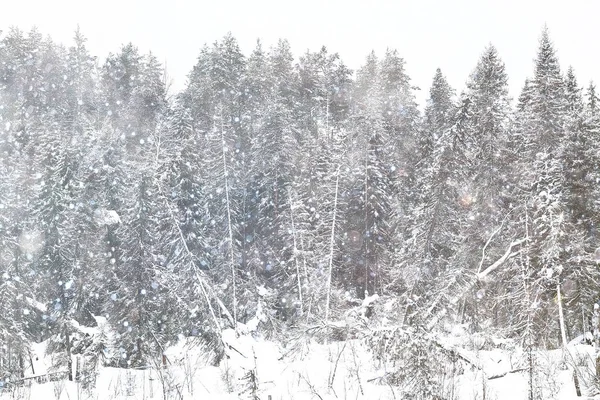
<point x="591" y="128"/>
<point x="21" y="323"/>
<point x="401" y="155"/>
<point x="438" y="239"/>
<point x="542" y="135"/>
<point x="460" y="223"/>
<point x="439" y="111"/>
<point x="57" y="145"/>
<point x="195" y="302"/>
<point x="109" y="172"/>
<point x="578" y="281"/>
<point x="52" y="213"/>
<point x="438" y="119"/>
<point x="321" y="110"/>
<point x="216" y="82"/>
<point x="136" y="303"/>
<point x="576" y="164"/>
<point x="274" y="170"/>
<point x="485" y="145"/>
<point x="323" y="91"/>
<point x="20" y="317"/>
<point x="369" y="192"/>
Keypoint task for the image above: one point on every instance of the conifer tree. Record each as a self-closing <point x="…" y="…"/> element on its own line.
<point x="544" y="136"/>
<point x="439" y="111"/>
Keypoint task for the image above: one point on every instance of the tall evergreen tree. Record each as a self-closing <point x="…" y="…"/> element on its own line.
<point x="544" y="134"/>
<point x="439" y="111"/>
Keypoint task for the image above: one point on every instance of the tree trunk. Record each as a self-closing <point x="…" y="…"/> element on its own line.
<point x="563" y="333"/>
<point x="331" y="245"/>
<point x="21" y="365"/>
<point x="69" y="357"/>
<point x="597" y="338"/>
<point x="230" y="231"/>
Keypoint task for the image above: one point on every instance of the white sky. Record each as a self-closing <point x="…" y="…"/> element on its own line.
<point x="450" y="34"/>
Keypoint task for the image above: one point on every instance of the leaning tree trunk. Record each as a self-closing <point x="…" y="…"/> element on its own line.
<point x="563" y="333"/>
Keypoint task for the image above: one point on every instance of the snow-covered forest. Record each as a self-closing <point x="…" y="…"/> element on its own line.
<point x="290" y="204"/>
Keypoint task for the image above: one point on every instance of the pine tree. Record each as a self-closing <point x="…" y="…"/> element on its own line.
<point x="592" y="128"/>
<point x="576" y="163"/>
<point x="55" y="202"/>
<point x="323" y="91"/>
<point x="439" y="110"/>
<point x="369" y="210"/>
<point x="19" y="324"/>
<point x="548" y="104"/>
<point x="412" y="234"/>
<point x="183" y="203"/>
<point x="215" y="99"/>
<point x="543" y="133"/>
<point x="485" y="145"/>
<point x="321" y="109"/>
<point x="274" y="169"/>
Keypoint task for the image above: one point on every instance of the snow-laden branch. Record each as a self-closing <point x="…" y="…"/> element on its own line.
<point x="471" y="283"/>
<point x="507" y="255"/>
<point x="490" y="240"/>
<point x="204" y="287"/>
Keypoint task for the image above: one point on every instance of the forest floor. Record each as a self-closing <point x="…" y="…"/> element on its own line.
<point x="258" y="369"/>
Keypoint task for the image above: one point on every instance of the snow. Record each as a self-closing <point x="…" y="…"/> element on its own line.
<point x="597" y="255"/>
<point x="106" y="217"/>
<point x="36" y="304"/>
<point x="581" y="339"/>
<point x="301" y="370"/>
<point x="228" y="195"/>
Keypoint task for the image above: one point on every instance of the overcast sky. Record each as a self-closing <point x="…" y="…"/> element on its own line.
<point x="450" y="34"/>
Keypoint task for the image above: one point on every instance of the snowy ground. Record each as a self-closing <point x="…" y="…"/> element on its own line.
<point x="340" y="370"/>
